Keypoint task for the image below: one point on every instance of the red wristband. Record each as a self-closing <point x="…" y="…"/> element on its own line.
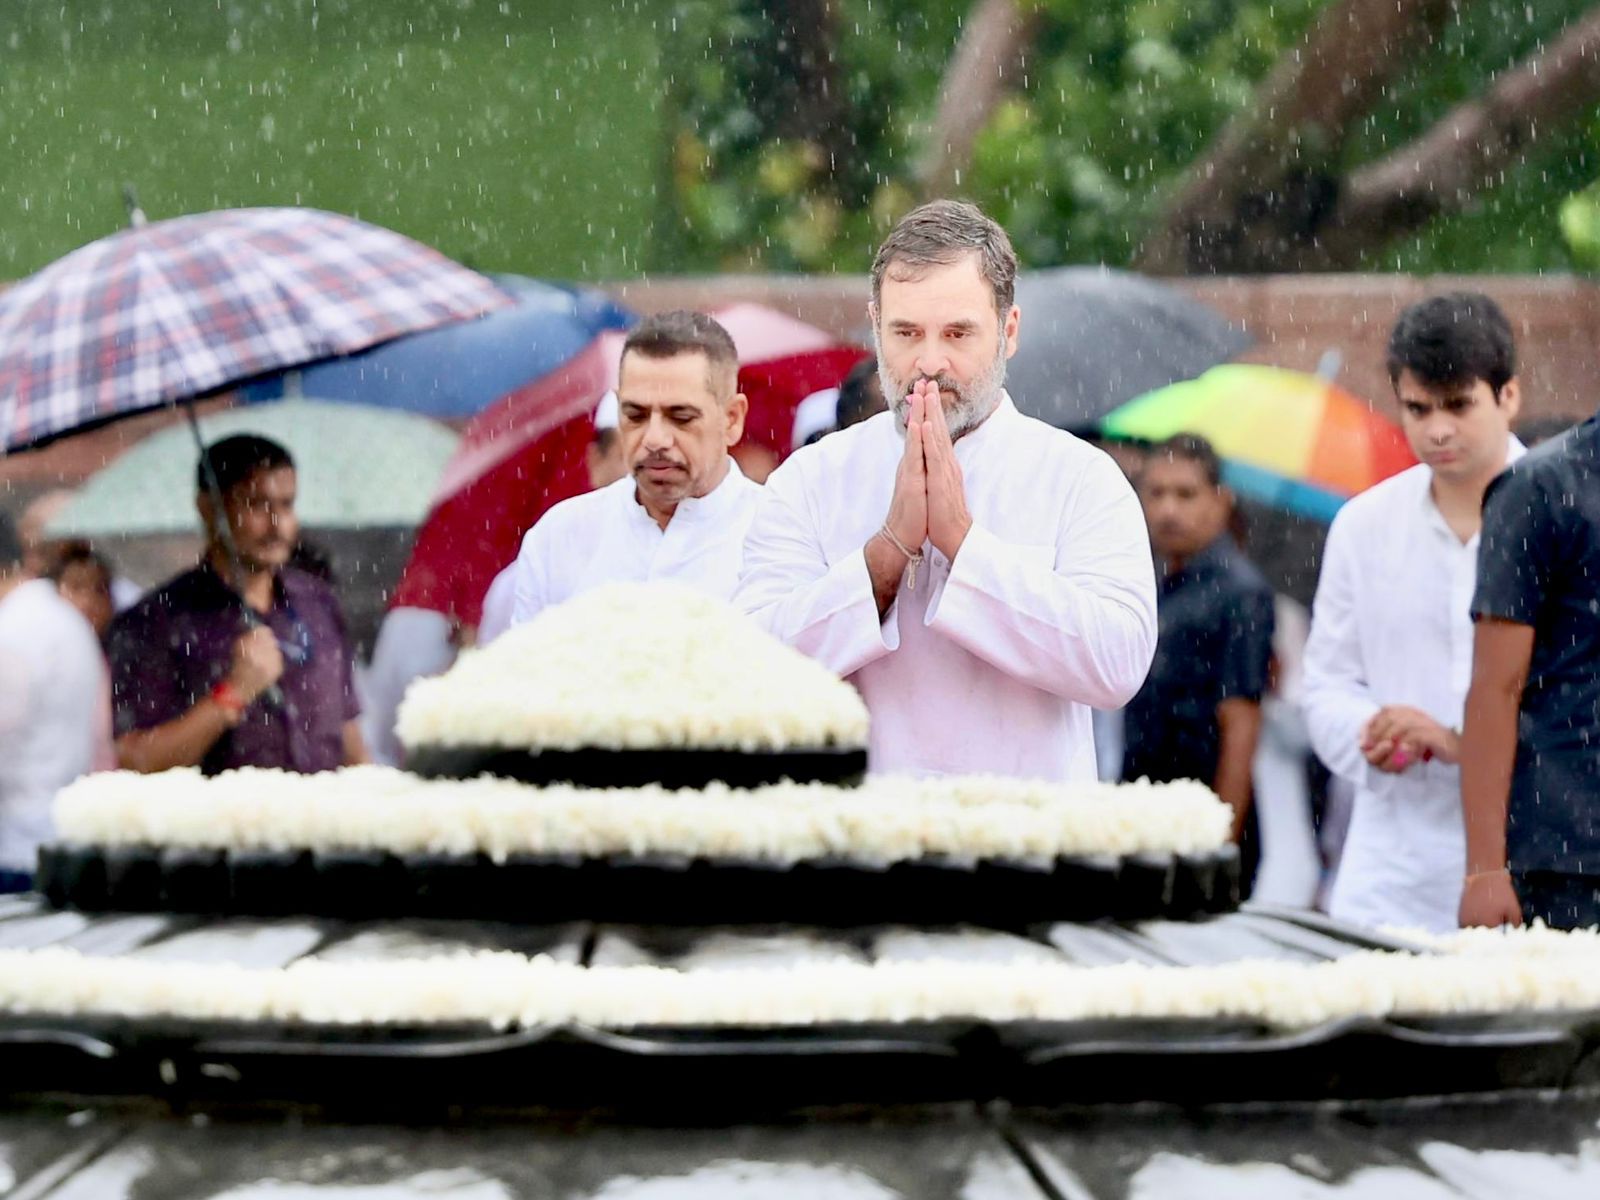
<point x="228" y="697"/>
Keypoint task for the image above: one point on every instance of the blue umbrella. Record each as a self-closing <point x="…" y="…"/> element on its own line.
<point x="454" y="372"/>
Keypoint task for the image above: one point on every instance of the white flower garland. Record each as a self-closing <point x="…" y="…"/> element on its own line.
<point x="632" y="666"/>
<point x="1500" y="973"/>
<point x="886" y="820"/>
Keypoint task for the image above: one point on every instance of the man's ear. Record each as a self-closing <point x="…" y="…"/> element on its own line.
<point x="1510" y="398"/>
<point x="738" y="409"/>
<point x="1009" y="329"/>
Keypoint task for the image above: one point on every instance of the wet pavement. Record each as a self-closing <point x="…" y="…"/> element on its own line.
<point x="1507" y="1148"/>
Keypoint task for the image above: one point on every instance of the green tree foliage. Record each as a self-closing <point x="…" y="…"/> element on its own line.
<point x="1112" y="104"/>
<point x="748" y="191"/>
<point x="1119" y="99"/>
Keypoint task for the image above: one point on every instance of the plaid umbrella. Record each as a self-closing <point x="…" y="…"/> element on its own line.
<point x="179" y="308"/>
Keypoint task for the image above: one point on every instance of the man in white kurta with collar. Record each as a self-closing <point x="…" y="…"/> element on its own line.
<point x="983" y="579"/>
<point x="1389" y="658"/>
<point x="682" y="510"/>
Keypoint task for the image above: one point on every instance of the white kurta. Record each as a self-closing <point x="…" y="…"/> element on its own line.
<point x="499" y="605"/>
<point x="991" y="664"/>
<point x="606" y="536"/>
<point x="412" y="644"/>
<point x="1392" y="625"/>
<point x="55" y="714"/>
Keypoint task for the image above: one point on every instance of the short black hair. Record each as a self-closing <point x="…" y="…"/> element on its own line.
<point x="236" y="458"/>
<point x="683" y="331"/>
<point x="605" y="438"/>
<point x="72" y="553"/>
<point x="1452" y="339"/>
<point x="1191" y="447"/>
<point x="10" y="543"/>
<point x="859" y="396"/>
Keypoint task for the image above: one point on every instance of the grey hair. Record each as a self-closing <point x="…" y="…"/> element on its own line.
<point x="943" y="231"/>
<point x="681" y="331"/>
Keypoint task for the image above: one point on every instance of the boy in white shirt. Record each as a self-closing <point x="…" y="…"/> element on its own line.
<point x="1390" y="654"/>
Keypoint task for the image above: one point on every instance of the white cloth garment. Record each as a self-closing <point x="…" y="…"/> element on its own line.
<point x="499" y="602"/>
<point x="991" y="665"/>
<point x="606" y="536"/>
<point x="1391" y="624"/>
<point x="1291" y="867"/>
<point x="412" y="644"/>
<point x="55" y="713"/>
<point x="815" y="414"/>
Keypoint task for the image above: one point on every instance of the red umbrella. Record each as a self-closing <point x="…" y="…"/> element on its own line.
<point x="525" y="453"/>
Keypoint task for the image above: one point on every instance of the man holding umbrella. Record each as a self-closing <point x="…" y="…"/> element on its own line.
<point x="242" y="661"/>
<point x="982" y="578"/>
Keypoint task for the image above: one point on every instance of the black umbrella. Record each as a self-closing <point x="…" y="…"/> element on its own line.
<point x="1093" y="338"/>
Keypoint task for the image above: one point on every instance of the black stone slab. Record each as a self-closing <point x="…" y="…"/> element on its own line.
<point x="639" y="768"/>
<point x="659" y="889"/>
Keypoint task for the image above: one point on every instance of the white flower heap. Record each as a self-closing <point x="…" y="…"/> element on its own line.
<point x="1525" y="971"/>
<point x="885" y="820"/>
<point x="633" y="667"/>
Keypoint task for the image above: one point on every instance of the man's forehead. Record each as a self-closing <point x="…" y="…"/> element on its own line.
<point x="1172" y="470"/>
<point x="275" y="481"/>
<point x="949" y="293"/>
<point x="645" y="381"/>
<point x="1412" y="390"/>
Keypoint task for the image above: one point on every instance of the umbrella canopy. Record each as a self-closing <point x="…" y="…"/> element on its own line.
<point x="1290" y="440"/>
<point x="781" y="361"/>
<point x="458" y="370"/>
<point x="178" y="308"/>
<point x="525" y="454"/>
<point x="357" y="468"/>
<point x="1093" y="338"/>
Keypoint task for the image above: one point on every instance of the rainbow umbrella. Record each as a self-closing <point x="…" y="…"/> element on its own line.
<point x="1290" y="440"/>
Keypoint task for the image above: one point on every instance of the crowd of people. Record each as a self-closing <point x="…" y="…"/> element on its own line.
<point x="1008" y="598"/>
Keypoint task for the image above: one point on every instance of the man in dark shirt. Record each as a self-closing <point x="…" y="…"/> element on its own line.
<point x="1198" y="715"/>
<point x="238" y="663"/>
<point x="1530" y="749"/>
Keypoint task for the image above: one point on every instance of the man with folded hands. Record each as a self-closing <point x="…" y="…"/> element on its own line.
<point x="984" y="579"/>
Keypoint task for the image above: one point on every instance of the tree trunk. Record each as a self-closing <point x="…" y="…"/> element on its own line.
<point x="1469" y="151"/>
<point x="1266" y="186"/>
<point x="987" y="63"/>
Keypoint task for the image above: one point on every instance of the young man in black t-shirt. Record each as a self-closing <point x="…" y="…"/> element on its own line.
<point x="1530" y="756"/>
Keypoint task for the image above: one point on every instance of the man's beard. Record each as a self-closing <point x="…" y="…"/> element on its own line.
<point x="973" y="401"/>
